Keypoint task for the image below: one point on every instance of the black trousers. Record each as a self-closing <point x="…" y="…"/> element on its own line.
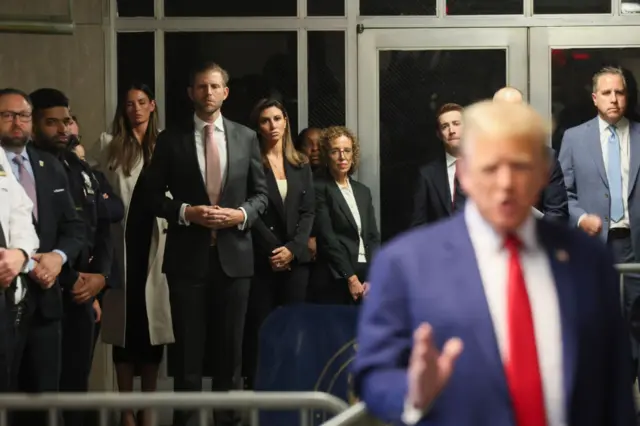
<point x="269" y="290"/>
<point x="77" y="354"/>
<point x="39" y="370"/>
<point x="619" y="241"/>
<point x="207" y="313"/>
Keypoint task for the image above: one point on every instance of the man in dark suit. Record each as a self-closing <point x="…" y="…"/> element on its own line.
<point x="61" y="234"/>
<point x="495" y="318"/>
<point x="52" y="121"/>
<point x="438" y="193"/>
<point x="213" y="170"/>
<point x="553" y="203"/>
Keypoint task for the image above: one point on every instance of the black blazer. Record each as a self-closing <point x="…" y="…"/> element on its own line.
<point x="336" y="228"/>
<point x="432" y="196"/>
<point x="113" y="210"/>
<point x="287" y="224"/>
<point x="59" y="226"/>
<point x="174" y="167"/>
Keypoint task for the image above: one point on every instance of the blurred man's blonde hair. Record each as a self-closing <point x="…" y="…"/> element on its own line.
<point x="493" y="120"/>
<point x="508" y="94"/>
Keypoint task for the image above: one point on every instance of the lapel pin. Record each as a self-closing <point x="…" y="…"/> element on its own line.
<point x="41" y="163"/>
<point x="562" y="255"/>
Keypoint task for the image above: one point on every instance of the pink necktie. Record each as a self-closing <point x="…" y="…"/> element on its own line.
<point x="213" y="172"/>
<point x="27" y="183"/>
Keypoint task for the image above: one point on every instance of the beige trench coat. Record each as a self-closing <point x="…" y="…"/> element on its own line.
<point x="114" y="311"/>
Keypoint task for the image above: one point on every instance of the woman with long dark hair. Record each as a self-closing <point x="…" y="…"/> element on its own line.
<point x="136" y="316"/>
<point x="281" y="233"/>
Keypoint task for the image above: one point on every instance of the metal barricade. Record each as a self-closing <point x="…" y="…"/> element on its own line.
<point x="105" y="403"/>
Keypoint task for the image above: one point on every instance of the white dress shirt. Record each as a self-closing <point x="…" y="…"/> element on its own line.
<point x="16" y="217"/>
<point x="451" y="172"/>
<point x="493" y="263"/>
<point x="349" y="197"/>
<point x="221" y="141"/>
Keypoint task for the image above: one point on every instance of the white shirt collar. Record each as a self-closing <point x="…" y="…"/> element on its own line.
<point x="604" y="126"/>
<point x="200" y="124"/>
<point x="490" y="239"/>
<point x="451" y="160"/>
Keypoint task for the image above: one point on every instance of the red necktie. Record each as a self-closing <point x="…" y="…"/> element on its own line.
<point x="522" y="369"/>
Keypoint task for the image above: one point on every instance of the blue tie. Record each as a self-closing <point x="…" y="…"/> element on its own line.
<point x="614" y="176"/>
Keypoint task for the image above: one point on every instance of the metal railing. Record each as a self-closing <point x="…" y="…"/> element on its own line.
<point x="106" y="403"/>
<point x="304" y="402"/>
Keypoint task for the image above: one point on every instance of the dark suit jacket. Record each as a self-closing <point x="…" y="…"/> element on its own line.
<point x="174" y="167"/>
<point x="112" y="211"/>
<point x="432" y="197"/>
<point x="59" y="226"/>
<point x="287" y="224"/>
<point x="553" y="200"/>
<point x="336" y="228"/>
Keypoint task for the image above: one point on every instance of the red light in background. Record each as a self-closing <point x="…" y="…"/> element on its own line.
<point x="580" y="56"/>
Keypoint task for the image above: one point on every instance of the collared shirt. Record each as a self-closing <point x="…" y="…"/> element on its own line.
<point x="221" y="141"/>
<point x="622" y="129"/>
<point x="16" y="217"/>
<point x="493" y="264"/>
<point x="16" y="172"/>
<point x="451" y="172"/>
<point x="350" y="198"/>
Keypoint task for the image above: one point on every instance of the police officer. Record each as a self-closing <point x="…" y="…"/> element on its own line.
<point x="52" y="121"/>
<point x="18" y="241"/>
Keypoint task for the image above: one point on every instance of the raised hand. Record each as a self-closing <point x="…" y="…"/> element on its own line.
<point x="429" y="368"/>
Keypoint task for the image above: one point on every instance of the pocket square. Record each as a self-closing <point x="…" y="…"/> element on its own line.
<point x="59" y="190"/>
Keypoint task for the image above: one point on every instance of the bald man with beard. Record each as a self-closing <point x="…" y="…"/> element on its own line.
<point x="553" y="203"/>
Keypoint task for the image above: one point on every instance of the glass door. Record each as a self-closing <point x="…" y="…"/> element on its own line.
<point x="563" y="61"/>
<point x="404" y="76"/>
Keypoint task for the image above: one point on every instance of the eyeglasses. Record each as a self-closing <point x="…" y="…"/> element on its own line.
<point x="346" y="152"/>
<point x="9" y="116"/>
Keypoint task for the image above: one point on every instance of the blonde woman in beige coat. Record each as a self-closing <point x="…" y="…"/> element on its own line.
<point x="136" y="318"/>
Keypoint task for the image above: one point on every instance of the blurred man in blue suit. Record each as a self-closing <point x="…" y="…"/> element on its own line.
<point x="494" y="318"/>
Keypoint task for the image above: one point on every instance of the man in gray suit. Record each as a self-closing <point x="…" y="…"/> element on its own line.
<point x="213" y="170"/>
<point x="600" y="160"/>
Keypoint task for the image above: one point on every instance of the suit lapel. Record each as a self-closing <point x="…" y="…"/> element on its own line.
<point x="634" y="148"/>
<point x="361" y="201"/>
<point x="441" y="183"/>
<point x="342" y="204"/>
<point x="41" y="182"/>
<point x="463" y="265"/>
<point x="594" y="146"/>
<point x="273" y="192"/>
<point x="561" y="268"/>
<point x="290" y="205"/>
<point x="189" y="141"/>
<point x="234" y="151"/>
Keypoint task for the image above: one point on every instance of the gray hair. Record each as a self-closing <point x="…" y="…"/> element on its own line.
<point x="608" y="70"/>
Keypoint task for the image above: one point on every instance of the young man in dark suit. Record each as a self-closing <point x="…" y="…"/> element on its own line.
<point x="438" y="193"/>
<point x="61" y="234"/>
<point x="213" y="170"/>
